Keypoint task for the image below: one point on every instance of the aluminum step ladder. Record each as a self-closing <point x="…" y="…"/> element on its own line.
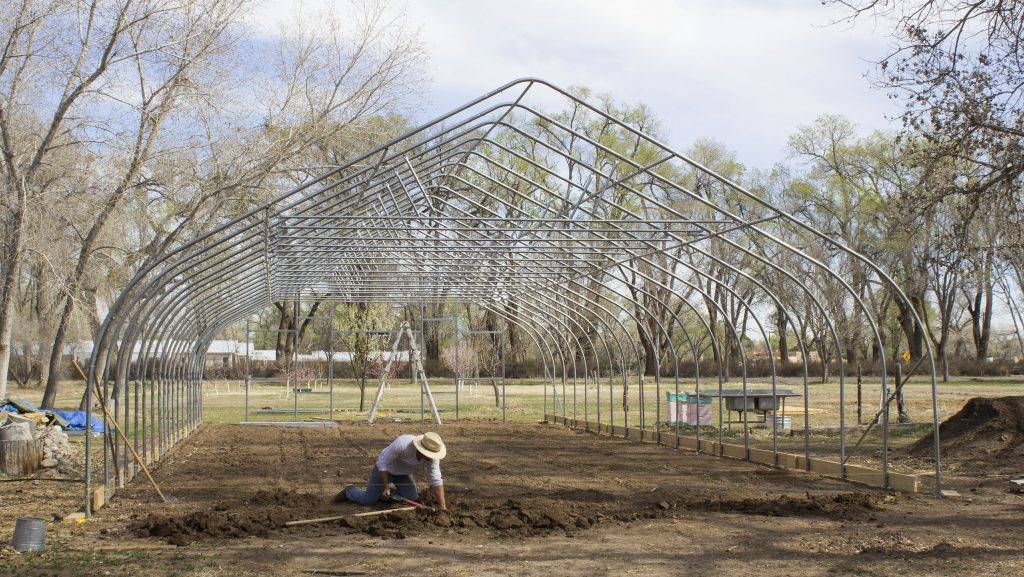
<point x="404" y="330"/>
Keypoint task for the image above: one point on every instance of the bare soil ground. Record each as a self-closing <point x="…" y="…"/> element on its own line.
<point x="527" y="499"/>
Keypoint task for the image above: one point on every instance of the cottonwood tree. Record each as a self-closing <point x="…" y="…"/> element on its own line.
<point x="727" y="296"/>
<point x="58" y="63"/>
<point x="365" y="347"/>
<point x="166" y="76"/>
<point x="957" y="66"/>
<point x="945" y="268"/>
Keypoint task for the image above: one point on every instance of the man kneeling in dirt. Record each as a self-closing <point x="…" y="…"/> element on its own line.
<point x="406" y="455"/>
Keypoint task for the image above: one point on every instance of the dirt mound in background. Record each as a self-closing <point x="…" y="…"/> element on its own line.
<point x="985" y="429"/>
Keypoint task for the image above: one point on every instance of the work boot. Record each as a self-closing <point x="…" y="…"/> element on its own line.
<point x="340" y="497"/>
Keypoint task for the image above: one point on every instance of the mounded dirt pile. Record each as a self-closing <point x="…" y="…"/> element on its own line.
<point x="525" y="518"/>
<point x="267" y="510"/>
<point x="986" y="429"/>
<point x="270" y="510"/>
<point x="513" y="518"/>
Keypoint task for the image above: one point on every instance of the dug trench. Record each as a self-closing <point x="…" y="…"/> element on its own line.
<point x="504" y="482"/>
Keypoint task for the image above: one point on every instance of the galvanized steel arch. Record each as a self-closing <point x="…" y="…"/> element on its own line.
<point x="449" y="212"/>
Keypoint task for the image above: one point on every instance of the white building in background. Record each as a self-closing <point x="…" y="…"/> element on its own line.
<point x="221" y="353"/>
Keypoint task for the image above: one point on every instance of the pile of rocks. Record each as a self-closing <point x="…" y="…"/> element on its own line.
<point x="57" y="450"/>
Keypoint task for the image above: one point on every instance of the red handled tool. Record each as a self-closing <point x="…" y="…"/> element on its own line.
<point x="416" y="504"/>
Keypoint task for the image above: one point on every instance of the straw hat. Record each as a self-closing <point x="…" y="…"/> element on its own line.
<point x="430" y="445"/>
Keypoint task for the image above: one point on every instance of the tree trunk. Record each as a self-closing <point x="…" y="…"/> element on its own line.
<point x="307" y="320"/>
<point x="979" y="307"/>
<point x="19" y="457"/>
<point x="12" y="260"/>
<point x="980" y="310"/>
<point x="432" y="336"/>
<point x="986" y="323"/>
<point x="944" y="359"/>
<point x="283" y="348"/>
<point x="780" y="319"/>
<point x="362" y="391"/>
<point x="70" y="296"/>
<point x="514" y="358"/>
<point x="912" y="330"/>
<point x="648" y="345"/>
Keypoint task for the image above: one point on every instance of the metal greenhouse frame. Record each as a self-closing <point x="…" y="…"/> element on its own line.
<point x="494" y="201"/>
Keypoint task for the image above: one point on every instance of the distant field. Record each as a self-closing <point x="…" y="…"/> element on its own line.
<point x="526" y="399"/>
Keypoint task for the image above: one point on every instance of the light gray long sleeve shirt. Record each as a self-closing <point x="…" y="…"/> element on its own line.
<point x="400" y="458"/>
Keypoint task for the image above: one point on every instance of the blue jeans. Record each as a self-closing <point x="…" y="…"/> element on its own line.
<point x="405" y="486"/>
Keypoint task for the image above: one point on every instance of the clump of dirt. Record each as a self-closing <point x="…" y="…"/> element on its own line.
<point x="986" y="429"/>
<point x="269" y="510"/>
<point x="182" y="530"/>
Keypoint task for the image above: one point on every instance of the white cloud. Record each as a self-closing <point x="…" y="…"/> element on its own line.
<point x="746" y="73"/>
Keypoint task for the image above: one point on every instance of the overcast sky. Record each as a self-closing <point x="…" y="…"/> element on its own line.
<point x="746" y="73"/>
<point x="743" y="72"/>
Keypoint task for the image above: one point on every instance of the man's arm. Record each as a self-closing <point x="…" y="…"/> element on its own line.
<point x="386" y="456"/>
<point x="386" y="480"/>
<point x="437" y="483"/>
<point x="384" y="459"/>
<point x="439" y="497"/>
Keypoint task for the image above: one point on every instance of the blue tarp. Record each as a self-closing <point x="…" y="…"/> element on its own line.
<point x="76" y="420"/>
<point x="18" y="406"/>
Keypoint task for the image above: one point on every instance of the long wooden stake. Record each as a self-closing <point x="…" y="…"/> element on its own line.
<point x="113" y="422"/>
<point x="341" y="517"/>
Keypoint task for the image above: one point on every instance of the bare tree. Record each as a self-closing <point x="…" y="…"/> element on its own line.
<point x="957" y="66"/>
<point x="153" y="136"/>
<point x="57" y="59"/>
<point x="166" y="64"/>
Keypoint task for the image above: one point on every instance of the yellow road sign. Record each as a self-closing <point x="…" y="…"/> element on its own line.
<point x="906" y="356"/>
